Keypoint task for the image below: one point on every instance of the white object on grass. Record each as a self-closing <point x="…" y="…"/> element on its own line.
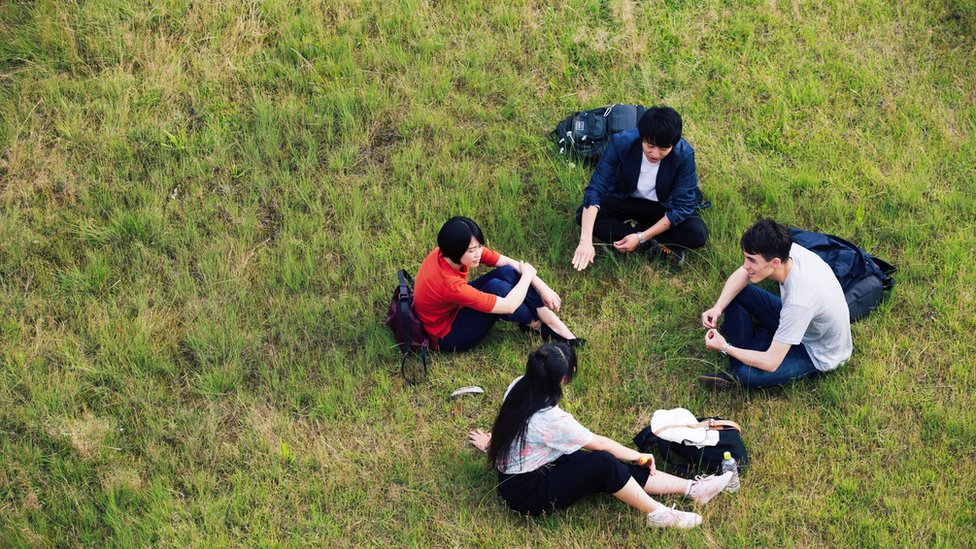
<point x="469" y="390"/>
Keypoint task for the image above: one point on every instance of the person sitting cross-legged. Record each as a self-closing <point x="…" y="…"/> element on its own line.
<point x="644" y="194"/>
<point x="547" y="461"/>
<point x="773" y="340"/>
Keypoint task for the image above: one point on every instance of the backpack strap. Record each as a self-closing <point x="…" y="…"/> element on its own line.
<point x="710" y="424"/>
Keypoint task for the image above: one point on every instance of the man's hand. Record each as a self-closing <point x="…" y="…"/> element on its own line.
<point x="550" y="299"/>
<point x="627" y="244"/>
<point x="710" y="317"/>
<point x="479" y="439"/>
<point x="714" y="341"/>
<point x="584" y="255"/>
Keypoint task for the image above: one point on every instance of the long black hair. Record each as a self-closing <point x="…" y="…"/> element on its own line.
<point x="540" y="388"/>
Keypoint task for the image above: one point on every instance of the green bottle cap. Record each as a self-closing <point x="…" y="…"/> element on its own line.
<point x="727" y="455"/>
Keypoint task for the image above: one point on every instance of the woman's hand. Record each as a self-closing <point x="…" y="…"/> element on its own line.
<point x="647" y="460"/>
<point x="550" y="299"/>
<point x="479" y="439"/>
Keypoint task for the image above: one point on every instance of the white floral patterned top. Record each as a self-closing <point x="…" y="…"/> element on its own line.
<point x="551" y="433"/>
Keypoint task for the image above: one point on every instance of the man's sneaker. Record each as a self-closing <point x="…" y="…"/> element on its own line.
<point x="666" y="517"/>
<point x="703" y="489"/>
<point x="718" y="380"/>
<point x="674" y="256"/>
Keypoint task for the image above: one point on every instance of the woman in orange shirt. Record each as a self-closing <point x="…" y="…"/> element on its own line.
<point x="458" y="314"/>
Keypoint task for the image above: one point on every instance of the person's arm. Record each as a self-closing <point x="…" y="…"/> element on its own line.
<point x="508" y="304"/>
<point x="585" y="252"/>
<point x="768" y="360"/>
<point x="549" y="297"/>
<point x="735" y="283"/>
<point x="601" y="182"/>
<point x="620" y="451"/>
<point x="684" y="195"/>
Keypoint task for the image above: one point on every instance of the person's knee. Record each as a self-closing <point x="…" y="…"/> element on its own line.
<point x="698" y="236"/>
<point x="601" y="460"/>
<point x="579" y="215"/>
<point x="497" y="286"/>
<point x="508" y="274"/>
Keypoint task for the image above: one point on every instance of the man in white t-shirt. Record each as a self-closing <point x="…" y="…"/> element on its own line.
<point x="774" y="340"/>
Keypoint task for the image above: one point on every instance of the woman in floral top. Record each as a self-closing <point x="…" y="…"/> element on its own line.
<point x="546" y="460"/>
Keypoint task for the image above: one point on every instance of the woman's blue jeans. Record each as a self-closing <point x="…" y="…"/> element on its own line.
<point x="471" y="326"/>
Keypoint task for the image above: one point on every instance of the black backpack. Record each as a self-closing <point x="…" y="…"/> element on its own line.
<point x="407" y="329"/>
<point x="865" y="279"/>
<point x="691" y="460"/>
<point x="584" y="134"/>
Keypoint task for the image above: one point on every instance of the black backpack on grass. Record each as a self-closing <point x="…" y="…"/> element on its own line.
<point x="689" y="460"/>
<point x="584" y="134"/>
<point x="407" y="329"/>
<point x="865" y="279"/>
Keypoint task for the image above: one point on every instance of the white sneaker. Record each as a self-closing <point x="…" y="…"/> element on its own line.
<point x="670" y="517"/>
<point x="703" y="489"/>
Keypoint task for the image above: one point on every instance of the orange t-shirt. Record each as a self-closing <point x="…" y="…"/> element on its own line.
<point x="441" y="292"/>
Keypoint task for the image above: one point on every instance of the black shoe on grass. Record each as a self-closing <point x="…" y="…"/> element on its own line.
<point x="718" y="380"/>
<point x="549" y="335"/>
<point x="674" y="256"/>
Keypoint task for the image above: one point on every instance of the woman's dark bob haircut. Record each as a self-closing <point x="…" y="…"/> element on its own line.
<point x="455" y="237"/>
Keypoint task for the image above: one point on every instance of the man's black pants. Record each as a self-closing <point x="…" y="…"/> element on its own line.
<point x="609" y="227"/>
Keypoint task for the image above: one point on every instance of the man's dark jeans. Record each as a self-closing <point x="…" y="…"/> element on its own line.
<point x="741" y="331"/>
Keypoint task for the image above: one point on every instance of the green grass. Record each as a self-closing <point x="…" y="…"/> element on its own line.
<point x="203" y="206"/>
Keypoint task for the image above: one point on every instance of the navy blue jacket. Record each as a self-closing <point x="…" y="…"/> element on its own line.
<point x="619" y="168"/>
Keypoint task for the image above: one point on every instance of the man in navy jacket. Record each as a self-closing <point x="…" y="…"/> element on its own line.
<point x="646" y="175"/>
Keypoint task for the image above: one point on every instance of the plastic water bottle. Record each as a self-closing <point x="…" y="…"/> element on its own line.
<point x="729" y="464"/>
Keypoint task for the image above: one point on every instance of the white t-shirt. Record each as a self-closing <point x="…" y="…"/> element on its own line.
<point x="814" y="311"/>
<point x="647" y="181"/>
<point x="550" y="434"/>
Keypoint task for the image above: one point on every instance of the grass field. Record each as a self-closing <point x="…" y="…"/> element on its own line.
<point x="203" y="205"/>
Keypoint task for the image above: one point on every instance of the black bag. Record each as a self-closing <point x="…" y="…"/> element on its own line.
<point x="865" y="279"/>
<point x="584" y="134"/>
<point x="691" y="460"/>
<point x="407" y="329"/>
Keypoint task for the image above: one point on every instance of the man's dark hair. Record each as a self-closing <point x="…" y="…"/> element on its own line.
<point x="455" y="237"/>
<point x="660" y="126"/>
<point x="768" y="239"/>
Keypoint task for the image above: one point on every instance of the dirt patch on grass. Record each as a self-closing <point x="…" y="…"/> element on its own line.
<point x="123" y="477"/>
<point x="87" y="433"/>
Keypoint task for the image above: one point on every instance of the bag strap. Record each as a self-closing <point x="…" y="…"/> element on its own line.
<point x="710" y="424"/>
<point x="405" y="302"/>
<point x="423" y="361"/>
